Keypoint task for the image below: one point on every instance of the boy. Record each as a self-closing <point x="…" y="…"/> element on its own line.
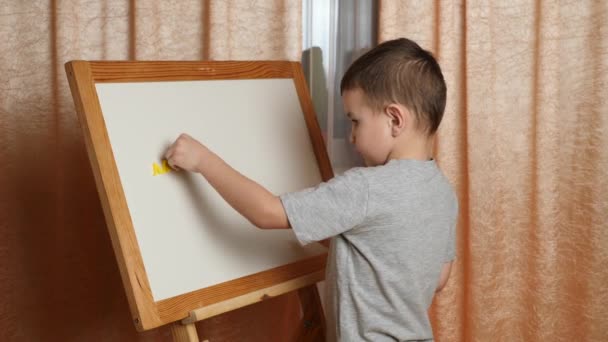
<point x="392" y="222"/>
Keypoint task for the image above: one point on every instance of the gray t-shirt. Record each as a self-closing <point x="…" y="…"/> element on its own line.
<point x="393" y="229"/>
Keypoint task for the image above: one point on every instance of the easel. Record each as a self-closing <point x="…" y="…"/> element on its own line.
<point x="147" y="313"/>
<point x="312" y="325"/>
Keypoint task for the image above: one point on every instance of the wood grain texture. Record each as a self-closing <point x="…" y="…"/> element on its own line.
<point x="147" y="313"/>
<point x="179" y="307"/>
<point x="311" y="121"/>
<point x="254" y="296"/>
<point x="184" y="332"/>
<point x="111" y="195"/>
<point x="161" y="71"/>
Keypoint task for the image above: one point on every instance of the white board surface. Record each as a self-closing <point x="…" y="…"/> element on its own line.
<point x="189" y="237"/>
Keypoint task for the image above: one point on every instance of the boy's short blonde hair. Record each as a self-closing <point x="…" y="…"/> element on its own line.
<point x="400" y="71"/>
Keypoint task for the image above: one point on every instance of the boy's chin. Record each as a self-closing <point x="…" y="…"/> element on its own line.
<point x="370" y="163"/>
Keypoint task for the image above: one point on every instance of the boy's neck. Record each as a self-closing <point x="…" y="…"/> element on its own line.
<point x="417" y="148"/>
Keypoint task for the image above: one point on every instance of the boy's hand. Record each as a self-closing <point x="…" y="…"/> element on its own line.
<point x="186" y="153"/>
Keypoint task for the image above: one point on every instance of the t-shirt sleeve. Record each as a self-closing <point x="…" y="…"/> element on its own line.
<point x="450" y="253"/>
<point x="328" y="209"/>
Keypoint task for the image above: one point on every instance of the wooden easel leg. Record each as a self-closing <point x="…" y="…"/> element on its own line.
<point x="313" y="320"/>
<point x="184" y="332"/>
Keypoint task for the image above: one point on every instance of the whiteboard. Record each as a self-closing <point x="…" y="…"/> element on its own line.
<point x="179" y="246"/>
<point x="256" y="126"/>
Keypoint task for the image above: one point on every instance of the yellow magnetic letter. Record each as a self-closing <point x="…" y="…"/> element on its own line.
<point x="166" y="167"/>
<point x="159" y="170"/>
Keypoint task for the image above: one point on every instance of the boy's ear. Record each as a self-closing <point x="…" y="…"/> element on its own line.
<point x="398" y="118"/>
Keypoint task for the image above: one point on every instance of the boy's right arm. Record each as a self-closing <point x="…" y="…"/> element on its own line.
<point x="258" y="205"/>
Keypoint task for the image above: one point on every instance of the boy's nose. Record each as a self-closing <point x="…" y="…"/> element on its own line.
<point x="351" y="137"/>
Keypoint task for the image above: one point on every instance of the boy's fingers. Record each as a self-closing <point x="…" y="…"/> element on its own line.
<point x="171" y="161"/>
<point x="169" y="157"/>
<point x="169" y="153"/>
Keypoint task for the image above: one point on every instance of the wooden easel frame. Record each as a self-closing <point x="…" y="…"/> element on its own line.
<point x="312" y="326"/>
<point x="203" y="303"/>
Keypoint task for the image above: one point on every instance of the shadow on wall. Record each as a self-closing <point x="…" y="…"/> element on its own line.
<point x="342" y="154"/>
<point x="312" y="63"/>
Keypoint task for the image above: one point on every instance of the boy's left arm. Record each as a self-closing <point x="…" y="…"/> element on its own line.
<point x="258" y="205"/>
<point x="444" y="275"/>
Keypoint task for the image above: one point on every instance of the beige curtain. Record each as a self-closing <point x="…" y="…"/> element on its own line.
<point x="525" y="142"/>
<point x="58" y="277"/>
